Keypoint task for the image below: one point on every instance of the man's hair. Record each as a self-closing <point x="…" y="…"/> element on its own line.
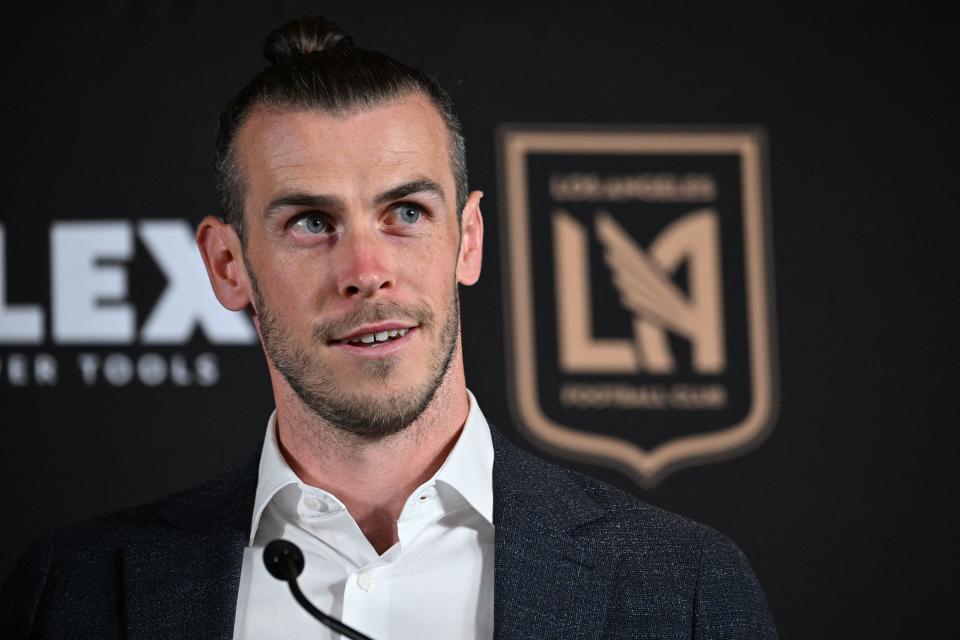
<point x="314" y="65"/>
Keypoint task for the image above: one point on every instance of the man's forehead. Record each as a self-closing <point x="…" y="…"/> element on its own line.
<point x="407" y="132"/>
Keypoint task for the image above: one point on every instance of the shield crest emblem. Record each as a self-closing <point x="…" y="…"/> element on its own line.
<point x="637" y="272"/>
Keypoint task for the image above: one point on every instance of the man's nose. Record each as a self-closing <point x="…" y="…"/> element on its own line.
<point x="366" y="268"/>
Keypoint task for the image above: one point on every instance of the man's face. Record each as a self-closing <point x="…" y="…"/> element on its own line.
<point x="352" y="247"/>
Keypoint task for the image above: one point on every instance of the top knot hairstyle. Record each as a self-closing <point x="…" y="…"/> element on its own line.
<point x="314" y="65"/>
<point x="303" y="37"/>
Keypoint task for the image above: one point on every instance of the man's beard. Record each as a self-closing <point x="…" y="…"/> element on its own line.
<point x="369" y="416"/>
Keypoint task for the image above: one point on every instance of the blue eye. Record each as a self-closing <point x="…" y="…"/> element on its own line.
<point x="409" y="214"/>
<point x="313" y="223"/>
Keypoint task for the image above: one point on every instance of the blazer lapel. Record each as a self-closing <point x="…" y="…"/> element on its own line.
<point x="553" y="571"/>
<point x="183" y="582"/>
<point x="185" y="587"/>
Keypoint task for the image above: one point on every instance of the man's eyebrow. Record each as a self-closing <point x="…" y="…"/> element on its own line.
<point x="326" y="201"/>
<point x="420" y="185"/>
<point x="304" y="199"/>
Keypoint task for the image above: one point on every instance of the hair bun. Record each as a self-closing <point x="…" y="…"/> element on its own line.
<point x="301" y="37"/>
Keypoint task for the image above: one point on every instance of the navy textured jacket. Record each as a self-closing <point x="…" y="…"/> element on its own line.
<point x="574" y="558"/>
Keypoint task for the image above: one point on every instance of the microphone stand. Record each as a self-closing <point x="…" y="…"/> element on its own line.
<point x="284" y="561"/>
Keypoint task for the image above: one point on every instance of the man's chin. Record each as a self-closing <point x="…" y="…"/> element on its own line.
<point x="383" y="371"/>
<point x="388" y="388"/>
<point x="372" y="415"/>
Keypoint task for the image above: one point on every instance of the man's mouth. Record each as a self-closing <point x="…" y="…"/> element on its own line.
<point x="373" y="335"/>
<point x="373" y="338"/>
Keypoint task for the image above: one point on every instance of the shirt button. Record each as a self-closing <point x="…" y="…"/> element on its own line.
<point x="314" y="504"/>
<point x="366" y="581"/>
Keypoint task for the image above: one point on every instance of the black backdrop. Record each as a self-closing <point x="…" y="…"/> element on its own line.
<point x="847" y="510"/>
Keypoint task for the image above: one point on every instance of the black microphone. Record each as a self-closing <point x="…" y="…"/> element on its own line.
<point x="284" y="561"/>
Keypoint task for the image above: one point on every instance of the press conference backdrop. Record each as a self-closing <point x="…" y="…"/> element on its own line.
<point x="718" y="272"/>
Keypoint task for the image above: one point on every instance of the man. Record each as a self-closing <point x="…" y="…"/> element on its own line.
<point x="347" y="229"/>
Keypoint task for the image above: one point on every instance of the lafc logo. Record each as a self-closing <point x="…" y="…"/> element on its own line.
<point x="643" y="280"/>
<point x="637" y="271"/>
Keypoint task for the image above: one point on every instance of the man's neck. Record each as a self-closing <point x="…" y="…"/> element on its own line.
<point x="373" y="479"/>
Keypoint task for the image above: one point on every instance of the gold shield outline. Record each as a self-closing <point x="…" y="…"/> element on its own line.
<point x="647" y="467"/>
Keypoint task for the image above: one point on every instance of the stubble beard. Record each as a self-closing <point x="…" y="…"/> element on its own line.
<point x="371" y="417"/>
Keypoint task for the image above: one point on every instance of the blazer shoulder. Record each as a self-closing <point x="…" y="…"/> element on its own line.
<point x="222" y="500"/>
<point x="581" y="493"/>
<point x="74" y="572"/>
<point x="660" y="556"/>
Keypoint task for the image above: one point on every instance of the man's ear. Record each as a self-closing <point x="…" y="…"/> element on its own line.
<point x="222" y="254"/>
<point x="470" y="259"/>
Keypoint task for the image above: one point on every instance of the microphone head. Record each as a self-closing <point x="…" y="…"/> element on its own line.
<point x="283" y="559"/>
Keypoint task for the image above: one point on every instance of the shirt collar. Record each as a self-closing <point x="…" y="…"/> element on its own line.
<point x="274" y="474"/>
<point x="468" y="468"/>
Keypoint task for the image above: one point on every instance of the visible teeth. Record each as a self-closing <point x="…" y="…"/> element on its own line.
<point x="380" y="336"/>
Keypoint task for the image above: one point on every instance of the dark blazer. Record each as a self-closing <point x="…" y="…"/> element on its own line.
<point x="574" y="558"/>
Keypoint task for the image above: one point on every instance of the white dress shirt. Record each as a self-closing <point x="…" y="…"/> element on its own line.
<point x="436" y="582"/>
